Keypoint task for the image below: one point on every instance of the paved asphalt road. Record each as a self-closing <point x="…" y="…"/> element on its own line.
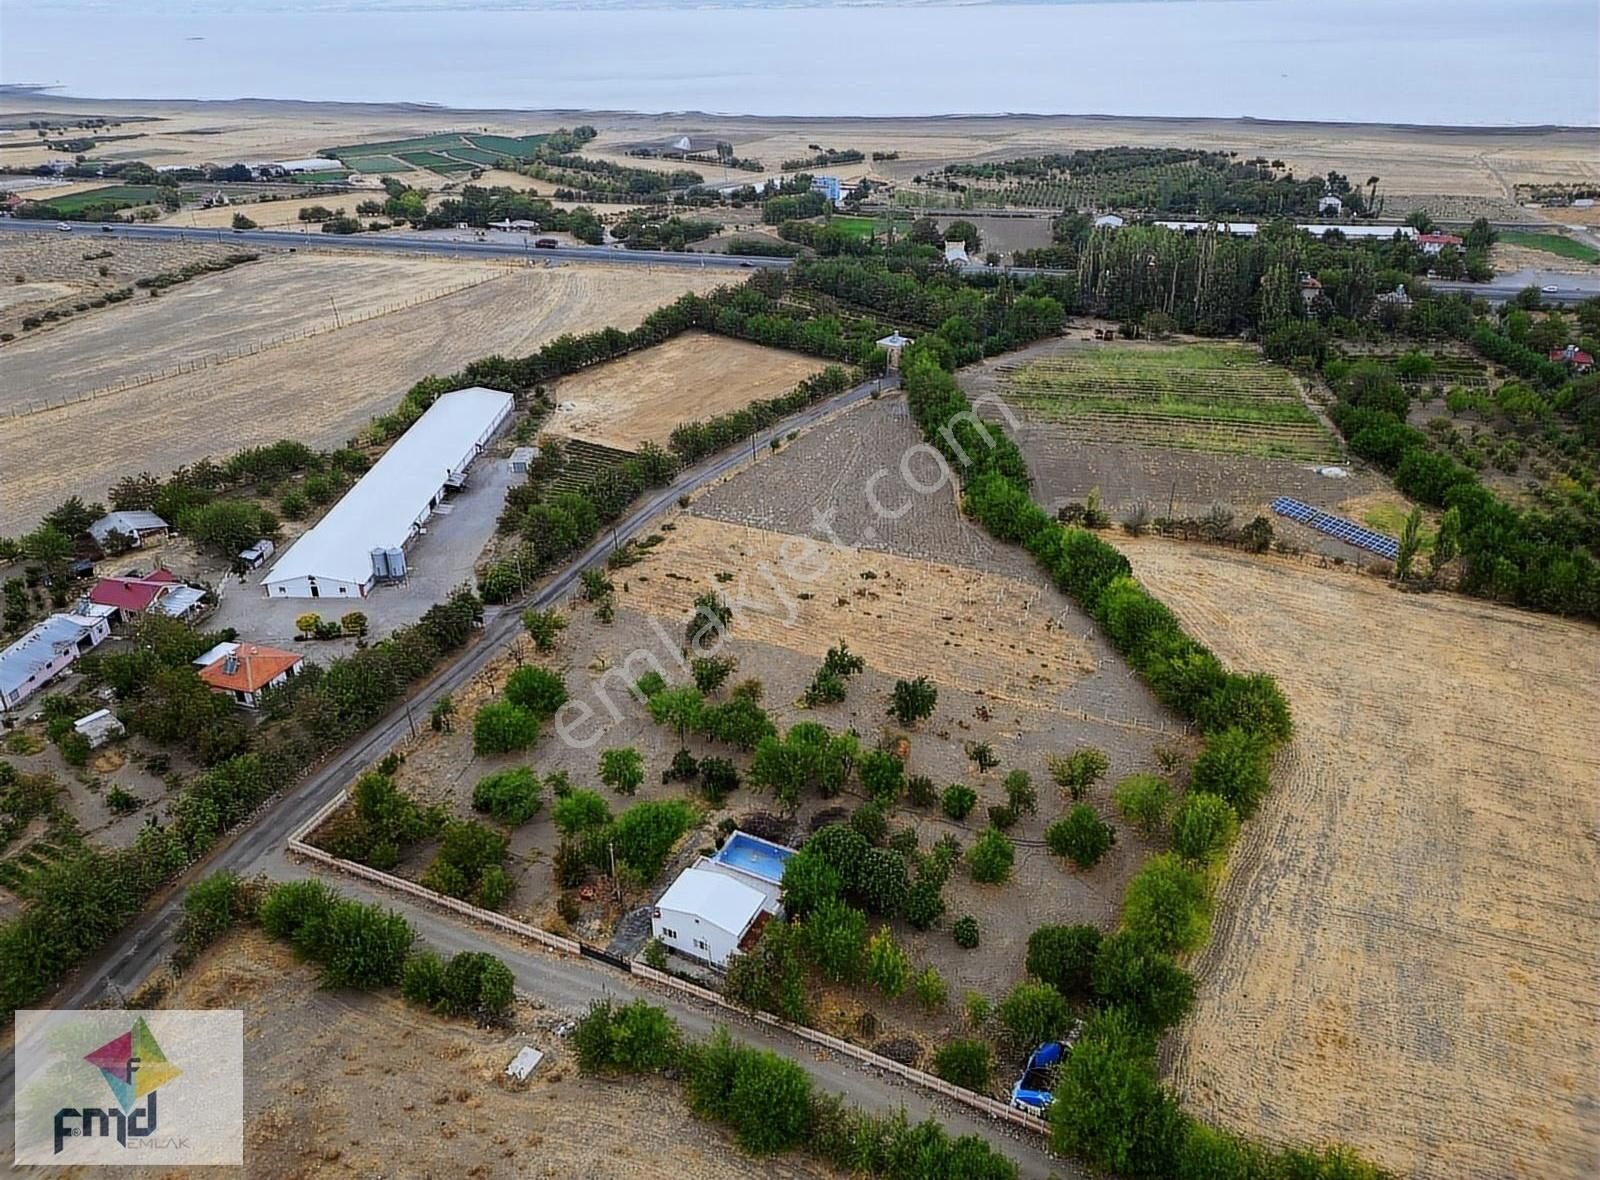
<point x="558" y="980"/>
<point x="1570" y="288"/>
<point x="493" y="246"/>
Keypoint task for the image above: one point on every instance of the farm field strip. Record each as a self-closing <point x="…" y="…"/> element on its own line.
<point x="910" y="618"/>
<point x="1197" y="397"/>
<point x="286" y="392"/>
<point x="220" y="316"/>
<point x="695" y="375"/>
<point x="1405" y="942"/>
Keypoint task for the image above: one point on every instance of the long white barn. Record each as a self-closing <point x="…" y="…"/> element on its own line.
<point x="340" y="556"/>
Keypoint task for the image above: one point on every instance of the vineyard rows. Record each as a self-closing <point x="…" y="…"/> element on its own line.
<point x="582" y="461"/>
<point x="1219" y="435"/>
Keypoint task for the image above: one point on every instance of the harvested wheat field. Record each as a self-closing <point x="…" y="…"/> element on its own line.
<point x="906" y="618"/>
<point x="218" y="317"/>
<point x="320" y="390"/>
<point x="1405" y="950"/>
<point x="340" y="1084"/>
<point x="640" y="398"/>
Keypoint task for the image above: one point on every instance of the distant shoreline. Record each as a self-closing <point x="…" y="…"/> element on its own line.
<point x="43" y="95"/>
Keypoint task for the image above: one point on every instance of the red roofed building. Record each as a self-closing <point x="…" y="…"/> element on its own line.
<point x="133" y="595"/>
<point x="246" y="673"/>
<point x="1433" y="243"/>
<point x="1574" y="356"/>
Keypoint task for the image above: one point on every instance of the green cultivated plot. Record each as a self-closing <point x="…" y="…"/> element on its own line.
<point x="120" y="195"/>
<point x="320" y="177"/>
<point x="1551" y="244"/>
<point x="376" y="164"/>
<point x="522" y="147"/>
<point x="435" y="162"/>
<point x="1199" y="397"/>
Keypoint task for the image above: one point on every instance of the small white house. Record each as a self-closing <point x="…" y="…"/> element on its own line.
<point x="522" y="459"/>
<point x="894" y="344"/>
<point x="45" y="652"/>
<point x="706" y="915"/>
<point x="1328" y="203"/>
<point x="117" y="531"/>
<point x="99" y="727"/>
<point x="1108" y="221"/>
<point x="956" y="251"/>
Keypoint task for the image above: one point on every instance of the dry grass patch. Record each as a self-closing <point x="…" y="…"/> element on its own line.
<point x="1404" y="955"/>
<point x="992" y="635"/>
<point x="640" y="398"/>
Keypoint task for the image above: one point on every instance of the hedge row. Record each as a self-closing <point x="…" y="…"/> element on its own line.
<point x="1110" y="1107"/>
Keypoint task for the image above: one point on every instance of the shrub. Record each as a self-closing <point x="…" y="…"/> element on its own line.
<point x="1109" y="1108"/>
<point x="622" y="769"/>
<point x="538" y="690"/>
<point x="1079" y="772"/>
<point x="500" y="727"/>
<point x="645" y="833"/>
<point x="580" y="811"/>
<point x="965" y="932"/>
<point x="913" y="700"/>
<point x="626" y="1038"/>
<point x="475" y="983"/>
<point x="887" y="967"/>
<point x="1064" y="957"/>
<point x="920" y="791"/>
<point x="958" y="801"/>
<point x="772" y="976"/>
<point x="360" y="946"/>
<point x="990" y="857"/>
<point x="967" y="1064"/>
<point x="883" y="882"/>
<point x="1033" y="1013"/>
<point x="544" y="627"/>
<point x="1143" y="800"/>
<point x="719" y="778"/>
<point x="510" y="796"/>
<point x="836" y="939"/>
<point x="422" y="979"/>
<point x="467" y="852"/>
<point x="212" y="907"/>
<point x="869" y="820"/>
<point x="1021" y="796"/>
<point x="1132" y="975"/>
<point x="1167" y="905"/>
<point x="764" y="1098"/>
<point x="930" y="989"/>
<point x="809" y="881"/>
<point x="293" y="907"/>
<point x="1203" y="827"/>
<point x="883" y="776"/>
<point x="1234" y="765"/>
<point x="1081" y="836"/>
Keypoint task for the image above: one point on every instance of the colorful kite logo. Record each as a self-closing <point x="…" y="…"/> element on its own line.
<point x="133" y="1065"/>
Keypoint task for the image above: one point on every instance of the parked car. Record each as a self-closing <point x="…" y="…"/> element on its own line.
<point x="63" y="227"/>
<point x="1033" y="1092"/>
<point x="545" y="244"/>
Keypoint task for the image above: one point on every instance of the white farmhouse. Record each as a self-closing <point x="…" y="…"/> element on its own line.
<point x="706" y="914"/>
<point x="363" y="538"/>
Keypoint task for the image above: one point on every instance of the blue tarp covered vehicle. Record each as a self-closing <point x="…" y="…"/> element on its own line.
<point x="1032" y="1091"/>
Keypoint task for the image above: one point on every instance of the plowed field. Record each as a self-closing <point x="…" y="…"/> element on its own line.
<point x="1405" y="951"/>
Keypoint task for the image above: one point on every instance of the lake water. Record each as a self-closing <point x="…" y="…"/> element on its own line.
<point x="1452" y="62"/>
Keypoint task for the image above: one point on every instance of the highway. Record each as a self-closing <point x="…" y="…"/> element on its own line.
<point x="258" y="848"/>
<point x="1569" y="288"/>
<point x="495" y="244"/>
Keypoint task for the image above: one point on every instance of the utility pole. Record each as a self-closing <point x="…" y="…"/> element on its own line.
<point x="336" y="321"/>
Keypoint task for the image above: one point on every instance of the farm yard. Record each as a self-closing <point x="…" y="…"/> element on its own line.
<point x="365" y="1071"/>
<point x="1405" y="943"/>
<point x="180" y="418"/>
<point x="696" y="375"/>
<point x="1199" y="397"/>
<point x="1015" y="664"/>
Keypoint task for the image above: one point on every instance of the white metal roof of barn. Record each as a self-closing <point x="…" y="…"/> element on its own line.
<point x="129" y="524"/>
<point x="383" y="505"/>
<point x="715" y="898"/>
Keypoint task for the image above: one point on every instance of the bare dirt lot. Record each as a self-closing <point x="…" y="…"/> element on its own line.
<point x="321" y="389"/>
<point x="339" y="1084"/>
<point x="642" y="397"/>
<point x="1406" y="940"/>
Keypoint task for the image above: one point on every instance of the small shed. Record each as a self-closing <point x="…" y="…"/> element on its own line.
<point x="256" y="556"/>
<point x="524" y="1063"/>
<point x="1328" y="203"/>
<point x="99" y="727"/>
<point x="956" y="251"/>
<point x="706" y="915"/>
<point x="118" y="531"/>
<point x="522" y="459"/>
<point x="894" y="345"/>
<point x="1108" y="221"/>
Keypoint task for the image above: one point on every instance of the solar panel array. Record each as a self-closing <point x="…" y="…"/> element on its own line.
<point x="1338" y="527"/>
